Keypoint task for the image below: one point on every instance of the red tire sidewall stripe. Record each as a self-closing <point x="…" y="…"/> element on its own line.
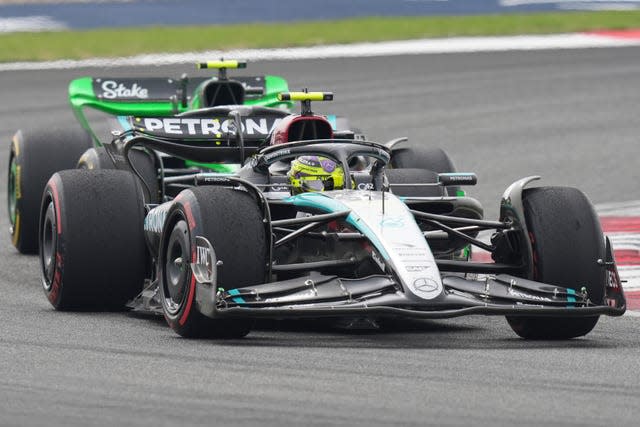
<point x="56" y="282"/>
<point x="192" y="285"/>
<point x="187" y="308"/>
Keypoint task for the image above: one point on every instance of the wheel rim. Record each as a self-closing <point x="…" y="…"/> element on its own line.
<point x="176" y="269"/>
<point x="48" y="246"/>
<point x="12" y="188"/>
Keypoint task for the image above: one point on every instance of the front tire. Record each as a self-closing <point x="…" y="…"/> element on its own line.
<point x="92" y="251"/>
<point x="567" y="241"/>
<point x="35" y="155"/>
<point x="232" y="221"/>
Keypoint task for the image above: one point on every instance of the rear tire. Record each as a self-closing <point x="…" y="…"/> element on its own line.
<point x="92" y="252"/>
<point x="567" y="241"/>
<point x="98" y="158"/>
<point x="35" y="155"/>
<point x="232" y="221"/>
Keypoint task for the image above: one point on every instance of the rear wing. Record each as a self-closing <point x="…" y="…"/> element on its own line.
<point x="160" y="89"/>
<point x="160" y="96"/>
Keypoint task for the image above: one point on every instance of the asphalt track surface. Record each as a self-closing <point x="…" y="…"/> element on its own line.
<point x="571" y="116"/>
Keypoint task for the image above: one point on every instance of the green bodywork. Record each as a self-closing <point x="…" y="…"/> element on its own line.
<point x="81" y="96"/>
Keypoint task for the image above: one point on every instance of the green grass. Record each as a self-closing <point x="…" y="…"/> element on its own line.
<point x="133" y="41"/>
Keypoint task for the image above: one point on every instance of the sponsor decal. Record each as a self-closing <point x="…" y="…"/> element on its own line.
<point x="400" y="245"/>
<point x="277" y="154"/>
<point x="123" y="89"/>
<point x="203" y="127"/>
<point x="393" y="222"/>
<point x="57" y="279"/>
<point x="365" y="186"/>
<point x="412" y="252"/>
<point x="112" y="89"/>
<point x="614" y="279"/>
<point x="217" y="179"/>
<point x="458" y="177"/>
<point x="154" y="221"/>
<point x="203" y="256"/>
<point x="416" y="268"/>
<point x="518" y="294"/>
<point x="354" y="196"/>
<point x="424" y="285"/>
<point x="376" y="258"/>
<point x="159" y="88"/>
<point x="204" y="267"/>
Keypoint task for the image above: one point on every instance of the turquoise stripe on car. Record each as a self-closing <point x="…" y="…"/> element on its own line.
<point x="333" y="121"/>
<point x="571" y="301"/>
<point x="124" y="123"/>
<point x="330" y="205"/>
<point x="237" y="300"/>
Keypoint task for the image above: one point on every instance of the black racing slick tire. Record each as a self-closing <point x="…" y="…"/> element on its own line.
<point x="34" y="156"/>
<point x="232" y="221"/>
<point x="98" y="158"/>
<point x="95" y="158"/>
<point x="92" y="250"/>
<point x="421" y="157"/>
<point x="567" y="242"/>
<point x="414" y="176"/>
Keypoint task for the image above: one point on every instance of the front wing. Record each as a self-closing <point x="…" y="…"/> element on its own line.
<point x="319" y="295"/>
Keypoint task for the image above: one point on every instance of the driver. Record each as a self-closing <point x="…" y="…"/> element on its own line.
<point x="315" y="173"/>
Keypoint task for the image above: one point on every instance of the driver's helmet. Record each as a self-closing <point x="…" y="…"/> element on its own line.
<point x="315" y="173"/>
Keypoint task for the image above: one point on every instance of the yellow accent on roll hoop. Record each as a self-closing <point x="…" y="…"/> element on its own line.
<point x="305" y="96"/>
<point x="221" y="64"/>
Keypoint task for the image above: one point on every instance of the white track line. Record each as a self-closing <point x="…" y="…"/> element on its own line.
<point x="30" y="23"/>
<point x="392" y="48"/>
<point x="631" y="208"/>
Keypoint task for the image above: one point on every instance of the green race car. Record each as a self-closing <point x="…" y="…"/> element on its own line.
<point x="36" y="153"/>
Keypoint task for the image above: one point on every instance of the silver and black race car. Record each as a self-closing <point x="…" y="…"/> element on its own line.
<point x="314" y="225"/>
